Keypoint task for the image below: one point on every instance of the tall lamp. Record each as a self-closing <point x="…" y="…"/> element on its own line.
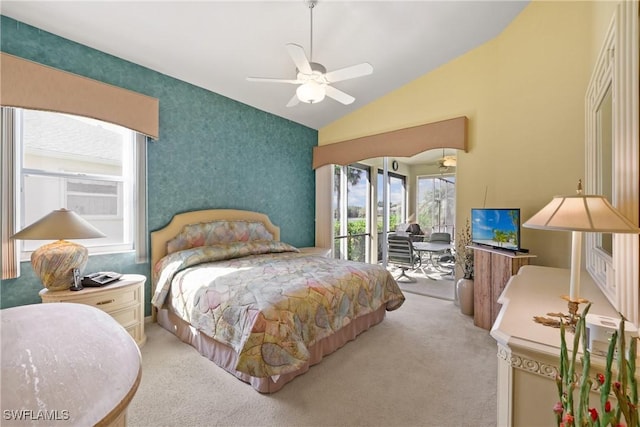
<point x="578" y="214"/>
<point x="54" y="262"/>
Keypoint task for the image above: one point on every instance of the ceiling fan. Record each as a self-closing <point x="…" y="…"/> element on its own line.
<point x="313" y="78"/>
<point x="447" y="162"/>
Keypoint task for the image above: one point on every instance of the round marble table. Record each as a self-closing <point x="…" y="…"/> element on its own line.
<point x="66" y="364"/>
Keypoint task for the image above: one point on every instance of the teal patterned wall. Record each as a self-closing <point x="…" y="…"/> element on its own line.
<point x="213" y="152"/>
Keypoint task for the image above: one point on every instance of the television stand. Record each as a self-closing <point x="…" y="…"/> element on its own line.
<point x="492" y="269"/>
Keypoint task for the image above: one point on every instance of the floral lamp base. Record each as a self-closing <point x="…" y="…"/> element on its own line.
<point x="54" y="263"/>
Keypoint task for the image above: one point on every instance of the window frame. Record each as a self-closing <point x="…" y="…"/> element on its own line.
<point x="133" y="186"/>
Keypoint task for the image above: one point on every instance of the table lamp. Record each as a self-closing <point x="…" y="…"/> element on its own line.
<point x="55" y="262"/>
<point x="578" y="214"/>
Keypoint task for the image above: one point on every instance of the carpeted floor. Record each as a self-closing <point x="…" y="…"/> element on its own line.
<point x="426" y="364"/>
<point x="430" y="282"/>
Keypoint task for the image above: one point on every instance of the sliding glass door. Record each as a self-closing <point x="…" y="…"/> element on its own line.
<point x="368" y="203"/>
<point x="436" y="202"/>
<point x="359" y="210"/>
<point x="397" y="200"/>
<point x="352" y="212"/>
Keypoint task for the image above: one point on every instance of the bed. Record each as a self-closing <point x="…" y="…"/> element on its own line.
<point x="263" y="310"/>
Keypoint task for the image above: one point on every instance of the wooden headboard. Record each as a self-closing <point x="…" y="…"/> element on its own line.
<point x="160" y="237"/>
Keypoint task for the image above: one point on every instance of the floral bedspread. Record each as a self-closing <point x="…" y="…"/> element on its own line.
<point x="268" y="301"/>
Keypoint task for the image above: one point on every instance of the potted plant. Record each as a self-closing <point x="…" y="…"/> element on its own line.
<point x="618" y="380"/>
<point x="464" y="260"/>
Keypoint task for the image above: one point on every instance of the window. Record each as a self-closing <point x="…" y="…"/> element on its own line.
<point x="94" y="168"/>
<point x="436" y="201"/>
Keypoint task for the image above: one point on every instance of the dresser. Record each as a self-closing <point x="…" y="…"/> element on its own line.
<point x="492" y="270"/>
<point x="123" y="300"/>
<point x="528" y="352"/>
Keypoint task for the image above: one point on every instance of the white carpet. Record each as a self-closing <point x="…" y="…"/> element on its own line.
<point x="424" y="365"/>
<point x="431" y="283"/>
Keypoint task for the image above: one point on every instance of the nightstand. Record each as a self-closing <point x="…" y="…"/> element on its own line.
<point x="324" y="252"/>
<point x="123" y="300"/>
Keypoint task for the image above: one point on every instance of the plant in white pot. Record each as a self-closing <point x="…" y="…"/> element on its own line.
<point x="464" y="261"/>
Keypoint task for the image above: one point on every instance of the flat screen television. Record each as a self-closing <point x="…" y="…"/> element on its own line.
<point x="497" y="228"/>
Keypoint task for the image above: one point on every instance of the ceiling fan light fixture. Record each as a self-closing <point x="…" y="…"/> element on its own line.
<point x="311" y="92"/>
<point x="449" y="162"/>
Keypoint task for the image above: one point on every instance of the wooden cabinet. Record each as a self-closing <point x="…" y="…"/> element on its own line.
<point x="324" y="252"/>
<point x="123" y="300"/>
<point x="492" y="270"/>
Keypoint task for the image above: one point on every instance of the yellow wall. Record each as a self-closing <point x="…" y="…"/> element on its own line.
<point x="523" y="93"/>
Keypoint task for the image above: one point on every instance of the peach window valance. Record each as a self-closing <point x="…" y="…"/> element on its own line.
<point x="407" y="142"/>
<point x="27" y="84"/>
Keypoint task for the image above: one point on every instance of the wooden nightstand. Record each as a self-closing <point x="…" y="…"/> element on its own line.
<point x="325" y="252"/>
<point x="123" y="300"/>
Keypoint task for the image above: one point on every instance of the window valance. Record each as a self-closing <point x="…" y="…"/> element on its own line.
<point x="407" y="142"/>
<point x="27" y="84"/>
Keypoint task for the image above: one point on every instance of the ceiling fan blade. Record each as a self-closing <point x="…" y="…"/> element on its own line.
<point x="293" y="101"/>
<point x="352" y="72"/>
<point x="299" y="58"/>
<point x="339" y="95"/>
<point x="269" y="80"/>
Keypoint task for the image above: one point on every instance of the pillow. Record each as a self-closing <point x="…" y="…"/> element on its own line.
<point x="216" y="232"/>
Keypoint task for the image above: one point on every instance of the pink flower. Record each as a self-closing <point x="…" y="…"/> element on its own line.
<point x="594" y="413"/>
<point x="569" y="420"/>
<point x="558" y="408"/>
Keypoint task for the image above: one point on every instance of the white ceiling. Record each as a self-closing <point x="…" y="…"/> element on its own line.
<point x="217" y="44"/>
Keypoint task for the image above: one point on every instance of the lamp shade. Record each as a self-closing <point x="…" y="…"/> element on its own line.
<point x="59" y="224"/>
<point x="585" y="213"/>
<point x="578" y="214"/>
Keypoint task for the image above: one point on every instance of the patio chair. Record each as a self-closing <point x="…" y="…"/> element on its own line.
<point x="445" y="259"/>
<point x="400" y="253"/>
